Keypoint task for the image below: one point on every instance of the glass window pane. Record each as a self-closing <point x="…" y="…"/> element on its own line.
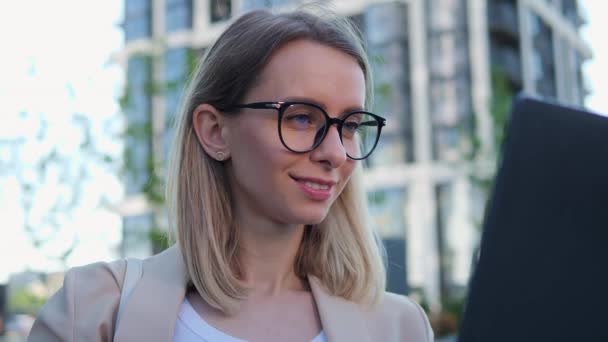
<point x="136" y="242"/>
<point x="249" y="5"/>
<point x="178" y="15"/>
<point x="396" y="281"/>
<point x="386" y="33"/>
<point x="392" y="149"/>
<point x="392" y="100"/>
<point x="220" y="10"/>
<point x="138" y="19"/>
<point x="387" y="210"/>
<point x="543" y="59"/>
<point x="570" y="11"/>
<point x="138" y="136"/>
<point x="177" y="68"/>
<point x="443" y="193"/>
<point x="134" y="7"/>
<point x="450" y="101"/>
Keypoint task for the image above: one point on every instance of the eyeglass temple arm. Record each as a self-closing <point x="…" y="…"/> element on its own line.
<point x="260" y="105"/>
<point x="373" y="123"/>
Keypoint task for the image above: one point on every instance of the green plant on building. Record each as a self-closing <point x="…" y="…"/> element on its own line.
<point x="447" y="321"/>
<point x="502" y="96"/>
<point x="142" y="132"/>
<point x="25" y="301"/>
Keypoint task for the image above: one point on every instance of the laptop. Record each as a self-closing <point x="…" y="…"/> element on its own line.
<point x="542" y="272"/>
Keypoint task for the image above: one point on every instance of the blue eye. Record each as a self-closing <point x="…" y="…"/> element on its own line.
<point x="298" y="119"/>
<point x="301" y="119"/>
<point x="351" y="126"/>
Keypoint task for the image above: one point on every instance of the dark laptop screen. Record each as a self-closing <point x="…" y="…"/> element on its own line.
<point x="542" y="273"/>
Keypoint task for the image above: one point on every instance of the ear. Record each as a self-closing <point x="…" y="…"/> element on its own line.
<point x="210" y="127"/>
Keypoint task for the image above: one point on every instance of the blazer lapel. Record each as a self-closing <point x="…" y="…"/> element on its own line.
<point x="342" y="320"/>
<point x="151" y="311"/>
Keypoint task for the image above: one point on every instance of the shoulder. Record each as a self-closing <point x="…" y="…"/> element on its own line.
<point x="100" y="274"/>
<point x="399" y="318"/>
<point x="91" y="286"/>
<point x="393" y="303"/>
<point x="100" y="279"/>
<point x="392" y="318"/>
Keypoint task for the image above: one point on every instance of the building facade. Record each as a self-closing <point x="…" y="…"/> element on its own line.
<point x="436" y="64"/>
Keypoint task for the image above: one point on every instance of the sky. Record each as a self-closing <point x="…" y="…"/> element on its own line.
<point x="596" y="69"/>
<point x="56" y="62"/>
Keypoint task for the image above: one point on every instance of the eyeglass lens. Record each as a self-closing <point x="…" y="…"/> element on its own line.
<point x="303" y="126"/>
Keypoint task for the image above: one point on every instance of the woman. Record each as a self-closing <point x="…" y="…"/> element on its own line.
<point x="272" y="239"/>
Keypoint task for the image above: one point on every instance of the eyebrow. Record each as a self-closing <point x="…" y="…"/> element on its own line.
<point x="309" y="100"/>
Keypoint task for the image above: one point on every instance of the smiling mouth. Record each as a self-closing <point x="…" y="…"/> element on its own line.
<point x="315" y="183"/>
<point x="315" y="189"/>
<point x="316" y="186"/>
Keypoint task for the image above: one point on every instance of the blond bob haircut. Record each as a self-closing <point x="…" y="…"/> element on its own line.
<point x="341" y="251"/>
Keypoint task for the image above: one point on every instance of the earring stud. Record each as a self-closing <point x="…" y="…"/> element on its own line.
<point x="220" y="156"/>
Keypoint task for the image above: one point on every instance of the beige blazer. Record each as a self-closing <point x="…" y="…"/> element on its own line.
<point x="84" y="309"/>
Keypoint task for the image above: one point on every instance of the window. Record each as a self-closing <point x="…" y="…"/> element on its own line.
<point x="502" y="18"/>
<point x="449" y="75"/>
<point x="396" y="281"/>
<point x="508" y="59"/>
<point x="570" y="11"/>
<point x="138" y="138"/>
<point x="386" y="34"/>
<point x="138" y="19"/>
<point x="220" y="10"/>
<point x="178" y="15"/>
<point x="250" y="5"/>
<point x="451" y="116"/>
<point x="136" y="242"/>
<point x="178" y="65"/>
<point x="390" y="67"/>
<point x="392" y="149"/>
<point x="543" y="59"/>
<point x="387" y="209"/>
<point x="456" y="238"/>
<point x="443" y="193"/>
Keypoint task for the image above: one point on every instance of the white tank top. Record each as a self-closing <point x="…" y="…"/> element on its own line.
<point x="190" y="327"/>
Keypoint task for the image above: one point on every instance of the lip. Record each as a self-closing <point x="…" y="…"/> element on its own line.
<point x="315" y="194"/>
<point x="329" y="183"/>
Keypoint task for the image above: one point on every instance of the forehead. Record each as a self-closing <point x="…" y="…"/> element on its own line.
<point x="304" y="68"/>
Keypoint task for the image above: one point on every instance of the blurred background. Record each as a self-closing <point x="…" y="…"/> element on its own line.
<point x="89" y="91"/>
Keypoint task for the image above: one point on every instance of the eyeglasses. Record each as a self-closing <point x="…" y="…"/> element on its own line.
<point x="303" y="126"/>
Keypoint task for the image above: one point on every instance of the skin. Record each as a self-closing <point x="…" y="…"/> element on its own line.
<point x="270" y="206"/>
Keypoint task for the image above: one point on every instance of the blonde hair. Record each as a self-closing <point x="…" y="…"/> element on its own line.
<point x="342" y="251"/>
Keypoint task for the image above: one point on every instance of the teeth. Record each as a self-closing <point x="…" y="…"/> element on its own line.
<point x="316" y="186"/>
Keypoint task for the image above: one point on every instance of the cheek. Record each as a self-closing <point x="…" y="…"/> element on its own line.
<point x="346" y="172"/>
<point x="253" y="136"/>
<point x="256" y="156"/>
<point x="246" y="139"/>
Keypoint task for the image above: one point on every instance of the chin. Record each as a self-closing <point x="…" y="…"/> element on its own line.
<point x="308" y="213"/>
<point x="312" y="216"/>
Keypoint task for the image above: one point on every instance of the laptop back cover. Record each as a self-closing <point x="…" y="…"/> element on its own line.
<point x="542" y="273"/>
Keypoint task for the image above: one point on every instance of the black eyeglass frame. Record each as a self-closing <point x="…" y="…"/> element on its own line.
<point x="281" y="106"/>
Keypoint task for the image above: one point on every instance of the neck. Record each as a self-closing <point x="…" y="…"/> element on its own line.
<point x="267" y="254"/>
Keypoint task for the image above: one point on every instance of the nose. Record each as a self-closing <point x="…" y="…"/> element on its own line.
<point x="331" y="151"/>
